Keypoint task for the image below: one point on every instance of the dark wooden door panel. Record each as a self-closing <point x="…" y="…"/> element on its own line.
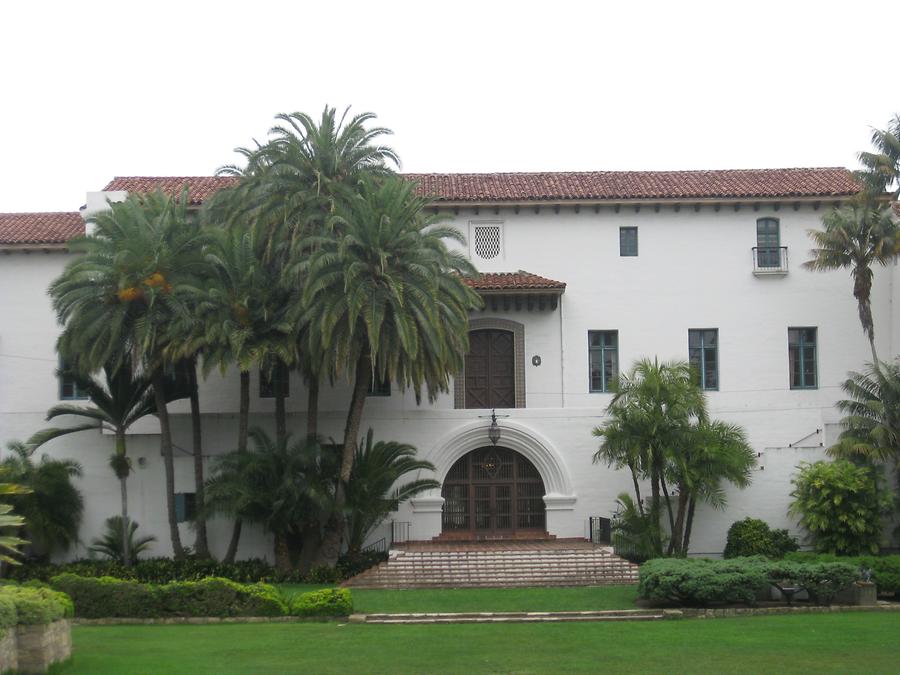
<point x="491" y="370"/>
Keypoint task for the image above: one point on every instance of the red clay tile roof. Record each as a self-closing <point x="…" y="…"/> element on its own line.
<point x="575" y="186"/>
<point x="200" y="188"/>
<point x="627" y="185"/>
<point x="39" y="228"/>
<point x="513" y="281"/>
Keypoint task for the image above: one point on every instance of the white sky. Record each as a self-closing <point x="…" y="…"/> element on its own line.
<point x="90" y="90"/>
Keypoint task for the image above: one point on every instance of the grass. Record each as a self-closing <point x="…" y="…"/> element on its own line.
<point x="485" y="599"/>
<point x="827" y="643"/>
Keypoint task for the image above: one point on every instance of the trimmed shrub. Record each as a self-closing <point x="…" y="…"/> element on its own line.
<point x="327" y="602"/>
<point x="36" y="606"/>
<point x="752" y="536"/>
<point x="699" y="582"/>
<point x="8" y="614"/>
<point x="107" y="597"/>
<point x="885" y="568"/>
<point x="822" y="580"/>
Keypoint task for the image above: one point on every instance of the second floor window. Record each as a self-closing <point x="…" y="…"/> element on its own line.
<point x="802" y="357"/>
<point x="628" y="241"/>
<point x="768" y="243"/>
<point x="68" y="387"/>
<point x="703" y="352"/>
<point x="272" y="379"/>
<point x="603" y="347"/>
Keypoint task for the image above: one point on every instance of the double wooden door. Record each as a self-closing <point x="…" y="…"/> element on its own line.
<point x="491" y="369"/>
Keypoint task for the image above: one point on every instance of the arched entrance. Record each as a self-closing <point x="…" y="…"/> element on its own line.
<point x="493" y="492"/>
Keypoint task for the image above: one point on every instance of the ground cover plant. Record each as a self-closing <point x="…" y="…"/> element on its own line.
<point x="828" y="643"/>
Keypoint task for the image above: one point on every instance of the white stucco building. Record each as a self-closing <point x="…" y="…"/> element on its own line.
<point x="583" y="273"/>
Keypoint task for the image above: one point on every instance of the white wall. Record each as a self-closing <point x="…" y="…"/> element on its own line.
<point x="694" y="270"/>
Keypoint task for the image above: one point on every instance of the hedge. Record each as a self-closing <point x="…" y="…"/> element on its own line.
<point x="701" y="582"/>
<point x="107" y="597"/>
<point x="165" y="570"/>
<point x="32" y="606"/>
<point x="885" y="568"/>
<point x="327" y="602"/>
<point x="751" y="536"/>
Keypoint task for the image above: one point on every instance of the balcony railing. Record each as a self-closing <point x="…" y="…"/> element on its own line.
<point x="770" y="260"/>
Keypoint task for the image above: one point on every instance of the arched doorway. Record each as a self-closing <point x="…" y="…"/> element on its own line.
<point x="493" y="492"/>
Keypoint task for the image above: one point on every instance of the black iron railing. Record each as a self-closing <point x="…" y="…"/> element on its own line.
<point x="600" y="530"/>
<point x="399" y="532"/>
<point x="379" y="546"/>
<point x="770" y="260"/>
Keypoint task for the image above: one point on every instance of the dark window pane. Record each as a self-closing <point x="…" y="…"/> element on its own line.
<point x="794" y="364"/>
<point x="694" y="340"/>
<point x="711" y="376"/>
<point x="809" y="336"/>
<point x="711" y="338"/>
<point x="628" y="241"/>
<point x="793" y="336"/>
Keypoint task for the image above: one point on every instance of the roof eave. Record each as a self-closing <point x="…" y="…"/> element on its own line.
<point x="442" y="203"/>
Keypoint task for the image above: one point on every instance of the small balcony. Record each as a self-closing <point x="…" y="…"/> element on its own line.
<point x="770" y="261"/>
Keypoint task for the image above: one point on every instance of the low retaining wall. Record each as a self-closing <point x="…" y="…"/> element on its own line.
<point x="716" y="613"/>
<point x="33" y="649"/>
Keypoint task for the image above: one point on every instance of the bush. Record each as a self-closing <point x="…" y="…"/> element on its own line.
<point x="106" y="597"/>
<point x="885" y="568"/>
<point x="34" y="606"/>
<point x="8" y="614"/>
<point x="699" y="582"/>
<point x="752" y="536"/>
<point x="839" y="504"/>
<point x="327" y="602"/>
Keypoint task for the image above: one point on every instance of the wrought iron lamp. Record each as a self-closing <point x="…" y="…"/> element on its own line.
<point x="494" y="429"/>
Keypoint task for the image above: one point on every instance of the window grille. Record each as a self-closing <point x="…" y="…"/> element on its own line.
<point x="487" y="241"/>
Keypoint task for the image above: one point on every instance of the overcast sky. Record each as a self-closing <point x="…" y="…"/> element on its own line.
<point x="92" y="90"/>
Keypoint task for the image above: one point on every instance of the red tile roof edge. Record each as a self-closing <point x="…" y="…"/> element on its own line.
<point x="512" y="281"/>
<point x="39" y="228"/>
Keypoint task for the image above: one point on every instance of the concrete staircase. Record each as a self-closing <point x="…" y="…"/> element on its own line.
<point x="495" y="565"/>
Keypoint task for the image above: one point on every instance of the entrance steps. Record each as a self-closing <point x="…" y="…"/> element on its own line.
<point x="495" y="565"/>
<point x="510" y="617"/>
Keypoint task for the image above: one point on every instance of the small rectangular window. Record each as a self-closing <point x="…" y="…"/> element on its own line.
<point x="768" y="243"/>
<point x="269" y="380"/>
<point x="379" y="386"/>
<point x="603" y="349"/>
<point x="68" y="387"/>
<point x="628" y="241"/>
<point x="802" y="357"/>
<point x="185" y="506"/>
<point x="703" y="352"/>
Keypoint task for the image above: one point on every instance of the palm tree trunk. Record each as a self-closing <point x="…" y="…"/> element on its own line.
<point x="282" y="553"/>
<point x="312" y="408"/>
<point x="280" y="414"/>
<point x="201" y="544"/>
<point x="243" y="429"/>
<point x="165" y="443"/>
<point x="677" y="544"/>
<point x="669" y="512"/>
<point x="637" y="489"/>
<point x="123" y="487"/>
<point x="331" y="543"/>
<point x="689" y="524"/>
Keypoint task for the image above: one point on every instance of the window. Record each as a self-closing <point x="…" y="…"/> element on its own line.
<point x="487" y="240"/>
<point x="768" y="243"/>
<point x="603" y="348"/>
<point x="68" y="387"/>
<point x="802" y="357"/>
<point x="276" y="377"/>
<point x="379" y="386"/>
<point x="628" y="243"/>
<point x="185" y="506"/>
<point x="703" y="352"/>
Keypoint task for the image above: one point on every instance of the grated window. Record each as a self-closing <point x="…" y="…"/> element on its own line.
<point x="487" y="241"/>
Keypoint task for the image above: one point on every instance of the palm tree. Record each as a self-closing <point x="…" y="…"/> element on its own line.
<point x="286" y="487"/>
<point x="110" y="543"/>
<point x="857" y="237"/>
<point x="881" y="171"/>
<point x="383" y="297"/>
<point x="871" y="416"/>
<point x="116" y="404"/>
<point x="371" y="492"/>
<point x="52" y="507"/>
<point x="120" y="297"/>
<point x="652" y="409"/>
<point x="10" y="544"/>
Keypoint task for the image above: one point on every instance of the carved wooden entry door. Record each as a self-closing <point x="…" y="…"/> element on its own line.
<point x="491" y="370"/>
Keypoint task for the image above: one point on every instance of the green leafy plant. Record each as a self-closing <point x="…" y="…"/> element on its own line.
<point x="839" y="504"/>
<point x="110" y="544"/>
<point x="751" y="536"/>
<point x="35" y="606"/>
<point x="327" y="602"/>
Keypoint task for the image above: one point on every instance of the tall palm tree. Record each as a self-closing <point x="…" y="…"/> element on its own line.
<point x="118" y="401"/>
<point x="651" y="411"/>
<point x="119" y="299"/>
<point x="857" y="238"/>
<point x="383" y="297"/>
<point x="881" y="172"/>
<point x="53" y="506"/>
<point x="373" y="493"/>
<point x="286" y="487"/>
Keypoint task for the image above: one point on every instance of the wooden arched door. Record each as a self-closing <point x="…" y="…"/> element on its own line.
<point x="493" y="492"/>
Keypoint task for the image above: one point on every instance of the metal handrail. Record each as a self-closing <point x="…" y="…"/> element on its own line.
<point x="770" y="259"/>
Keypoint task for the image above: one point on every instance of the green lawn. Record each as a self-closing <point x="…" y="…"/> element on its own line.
<point x="486" y="599"/>
<point x="827" y="643"/>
